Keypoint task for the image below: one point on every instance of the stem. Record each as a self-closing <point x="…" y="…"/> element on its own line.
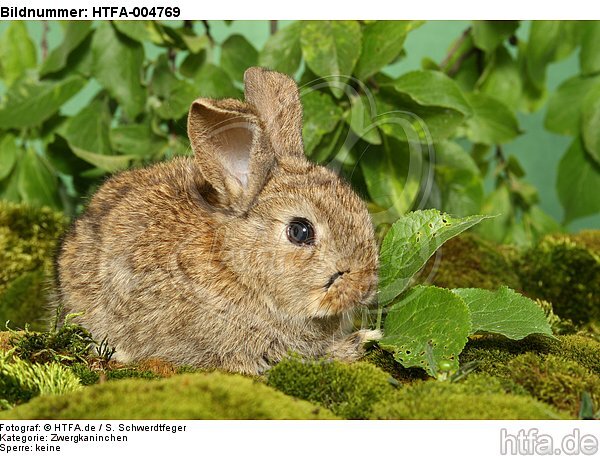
<point x="273" y="27"/>
<point x="208" y="34"/>
<point x="454" y="49"/>
<point x="172" y="56"/>
<point x="456" y="66"/>
<point x="44" y="42"/>
<point x="379" y="317"/>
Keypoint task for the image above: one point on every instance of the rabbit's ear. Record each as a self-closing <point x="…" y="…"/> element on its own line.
<point x="227" y="141"/>
<point x="276" y="99"/>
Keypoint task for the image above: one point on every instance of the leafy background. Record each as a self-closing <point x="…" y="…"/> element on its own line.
<point x="483" y="117"/>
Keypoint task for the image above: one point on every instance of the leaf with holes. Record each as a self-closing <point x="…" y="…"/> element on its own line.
<point x="505" y="312"/>
<point x="426" y="327"/>
<point x="411" y="241"/>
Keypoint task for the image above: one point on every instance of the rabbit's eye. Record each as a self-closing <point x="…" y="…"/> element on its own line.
<point x="301" y="232"/>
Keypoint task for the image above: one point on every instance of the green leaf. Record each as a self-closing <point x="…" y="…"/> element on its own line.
<point x="118" y="66"/>
<point x="589" y="57"/>
<point x="192" y="64"/>
<point x="282" y="51"/>
<point x="237" y="54"/>
<point x="393" y="173"/>
<point x="212" y="82"/>
<point x="498" y="205"/>
<point x="411" y="241"/>
<point x="89" y="129"/>
<point x="141" y="31"/>
<point x="504" y="312"/>
<point x="195" y="43"/>
<point x="333" y="143"/>
<point x="8" y="154"/>
<point x="75" y="33"/>
<point x="382" y="42"/>
<point x="540" y="223"/>
<point x="9" y="186"/>
<point x="426" y="327"/>
<point x="62" y="159"/>
<point x="137" y="139"/>
<point x="565" y="105"/>
<point x="577" y="183"/>
<point x="17" y="52"/>
<point x="109" y="163"/>
<point x="331" y="49"/>
<point x="36" y="182"/>
<point x="361" y="119"/>
<point x="459" y="182"/>
<point x="501" y="78"/>
<point x="488" y="35"/>
<point x="548" y="41"/>
<point x="30" y="103"/>
<point x="321" y="115"/>
<point x="402" y="118"/>
<point x="174" y="95"/>
<point x="432" y="88"/>
<point x="492" y="121"/>
<point x="590" y="124"/>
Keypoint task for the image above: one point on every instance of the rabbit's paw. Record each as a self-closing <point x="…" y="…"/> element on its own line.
<point x="352" y="347"/>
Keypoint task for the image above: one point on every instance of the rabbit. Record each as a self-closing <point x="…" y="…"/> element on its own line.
<point x="231" y="258"/>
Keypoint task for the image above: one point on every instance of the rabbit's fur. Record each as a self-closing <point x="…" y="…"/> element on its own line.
<point x="189" y="261"/>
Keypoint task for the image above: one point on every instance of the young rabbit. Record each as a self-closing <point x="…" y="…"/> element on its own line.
<point x="229" y="259"/>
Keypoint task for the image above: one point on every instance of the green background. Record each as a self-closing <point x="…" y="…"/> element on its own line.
<point x="537" y="149"/>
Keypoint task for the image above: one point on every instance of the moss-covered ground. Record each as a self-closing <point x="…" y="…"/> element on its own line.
<point x="63" y="373"/>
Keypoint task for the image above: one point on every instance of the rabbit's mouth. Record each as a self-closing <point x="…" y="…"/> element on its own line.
<point x="345" y="291"/>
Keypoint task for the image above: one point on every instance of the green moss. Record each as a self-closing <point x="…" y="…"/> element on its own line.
<point x="558" y="325"/>
<point x="130" y="372"/>
<point x="69" y="343"/>
<point x="480" y="397"/>
<point x="590" y="239"/>
<point x="493" y="353"/>
<point x="565" y="273"/>
<point x="20" y="380"/>
<point x="554" y="380"/>
<point x="468" y="261"/>
<point x="21" y="301"/>
<point x="581" y="349"/>
<point x="212" y="395"/>
<point x="349" y="390"/>
<point x="28" y="238"/>
<point x="386" y="362"/>
<point x="86" y="375"/>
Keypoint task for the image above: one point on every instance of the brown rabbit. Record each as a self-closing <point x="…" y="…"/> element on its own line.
<point x="231" y="258"/>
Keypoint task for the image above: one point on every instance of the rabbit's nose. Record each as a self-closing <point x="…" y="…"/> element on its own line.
<point x="333" y="278"/>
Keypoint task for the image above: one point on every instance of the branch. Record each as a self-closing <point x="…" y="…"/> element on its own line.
<point x="44" y="42"/>
<point x="454" y="49"/>
<point x="456" y="66"/>
<point x="208" y="34"/>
